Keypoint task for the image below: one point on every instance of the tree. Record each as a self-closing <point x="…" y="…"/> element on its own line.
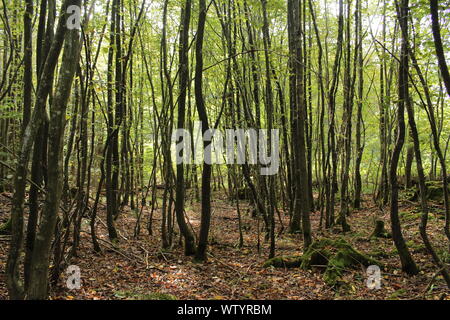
<point x="408" y="264"/>
<point x="203" y="115"/>
<point x="37" y="288"/>
<point x="446" y="78"/>
<point x="298" y="103"/>
<point x="184" y="82"/>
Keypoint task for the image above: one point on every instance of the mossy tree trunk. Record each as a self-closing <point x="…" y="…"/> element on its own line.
<point x="14" y="284"/>
<point x="40" y="261"/>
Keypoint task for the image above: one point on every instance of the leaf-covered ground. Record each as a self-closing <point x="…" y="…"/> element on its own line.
<point x="139" y="269"/>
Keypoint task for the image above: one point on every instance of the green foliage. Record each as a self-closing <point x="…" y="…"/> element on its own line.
<point x="284" y="262"/>
<point x="336" y="256"/>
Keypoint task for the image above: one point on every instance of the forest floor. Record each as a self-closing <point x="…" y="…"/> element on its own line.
<point x="139" y="269"/>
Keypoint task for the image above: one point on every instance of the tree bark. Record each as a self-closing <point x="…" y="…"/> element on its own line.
<point x="446" y="78"/>
<point x="15" y="287"/>
<point x="189" y="241"/>
<point x="200" y="255"/>
<point x="408" y="264"/>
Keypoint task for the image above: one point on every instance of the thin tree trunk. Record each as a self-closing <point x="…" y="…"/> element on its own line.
<point x="446" y="78"/>
<point x="408" y="264"/>
<point x="189" y="244"/>
<point x="201" y="109"/>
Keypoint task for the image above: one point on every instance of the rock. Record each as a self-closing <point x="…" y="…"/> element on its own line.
<point x="347" y="257"/>
<point x="335" y="256"/>
<point x="284" y="262"/>
<point x="435" y="191"/>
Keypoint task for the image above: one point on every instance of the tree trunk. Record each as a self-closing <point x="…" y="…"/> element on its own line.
<point x="189" y="244"/>
<point x="40" y="260"/>
<point x="408" y="264"/>
<point x="200" y="255"/>
<point x="446" y="77"/>
<point x="15" y="288"/>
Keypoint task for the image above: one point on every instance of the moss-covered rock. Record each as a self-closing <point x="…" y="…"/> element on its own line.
<point x="344" y="258"/>
<point x="284" y="262"/>
<point x="316" y="258"/>
<point x="435" y="191"/>
<point x="317" y="254"/>
<point x="336" y="256"/>
<point x="347" y="257"/>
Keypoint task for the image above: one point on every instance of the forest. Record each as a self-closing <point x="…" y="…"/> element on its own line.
<point x="224" y="150"/>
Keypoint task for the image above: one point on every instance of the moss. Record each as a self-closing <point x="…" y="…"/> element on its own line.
<point x="359" y="257"/>
<point x="284" y="262"/>
<point x="317" y="258"/>
<point x="6" y="227"/>
<point x="444" y="255"/>
<point x="411" y="194"/>
<point x="435" y="191"/>
<point x="409" y="215"/>
<point x="397" y="294"/>
<point x="380" y="231"/>
<point x="317" y="254"/>
<point x="345" y="258"/>
<point x="336" y="267"/>
<point x="379" y="254"/>
<point x="336" y="256"/>
<point x="417" y="247"/>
